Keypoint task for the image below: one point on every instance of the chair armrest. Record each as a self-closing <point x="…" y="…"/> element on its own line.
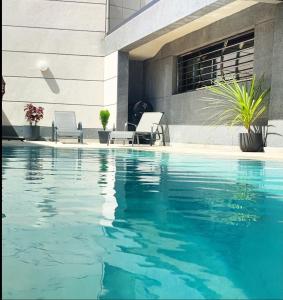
<point x="128" y="123"/>
<point x="157" y="124"/>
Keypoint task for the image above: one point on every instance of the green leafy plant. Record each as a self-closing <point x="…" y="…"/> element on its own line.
<point x="237" y="103"/>
<point x="104" y="117"/>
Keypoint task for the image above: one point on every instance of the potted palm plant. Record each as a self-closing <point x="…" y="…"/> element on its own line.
<point x="33" y="115"/>
<point x="104" y="115"/>
<point x="240" y="104"/>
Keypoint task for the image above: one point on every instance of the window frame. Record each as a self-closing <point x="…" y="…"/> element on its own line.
<point x="216" y="53"/>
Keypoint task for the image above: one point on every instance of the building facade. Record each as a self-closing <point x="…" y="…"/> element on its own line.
<point x="111" y="54"/>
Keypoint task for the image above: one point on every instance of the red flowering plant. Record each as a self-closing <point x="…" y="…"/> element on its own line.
<point x="33" y="114"/>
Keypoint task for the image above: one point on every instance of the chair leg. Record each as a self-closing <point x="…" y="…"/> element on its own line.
<point x="151" y="136"/>
<point x="53" y="132"/>
<point x="163" y="137"/>
<point x="151" y="139"/>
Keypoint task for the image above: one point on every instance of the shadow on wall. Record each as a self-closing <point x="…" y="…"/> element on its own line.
<point x="51" y="81"/>
<point x="271" y="131"/>
<point x="10" y="131"/>
<point x="7" y="128"/>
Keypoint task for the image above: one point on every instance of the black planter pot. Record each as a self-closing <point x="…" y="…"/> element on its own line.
<point x="251" y="142"/>
<point x="32" y="133"/>
<point x="103" y="136"/>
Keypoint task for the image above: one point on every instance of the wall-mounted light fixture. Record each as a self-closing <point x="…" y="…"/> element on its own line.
<point x="42" y="65"/>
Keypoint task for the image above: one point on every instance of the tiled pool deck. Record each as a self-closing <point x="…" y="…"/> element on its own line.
<point x="275" y="153"/>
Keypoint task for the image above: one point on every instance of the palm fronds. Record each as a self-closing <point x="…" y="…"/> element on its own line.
<point x="237" y="103"/>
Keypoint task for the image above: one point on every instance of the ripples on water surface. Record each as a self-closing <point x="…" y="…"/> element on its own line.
<point x="123" y="224"/>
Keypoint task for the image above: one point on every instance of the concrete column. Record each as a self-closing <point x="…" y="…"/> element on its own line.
<point x="263" y="48"/>
<point x="122" y="89"/>
<point x="275" y="129"/>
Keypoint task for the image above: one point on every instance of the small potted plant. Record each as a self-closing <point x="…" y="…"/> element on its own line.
<point x="33" y="115"/>
<point x="104" y="118"/>
<point x="240" y="104"/>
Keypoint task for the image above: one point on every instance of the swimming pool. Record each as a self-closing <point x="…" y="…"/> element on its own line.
<point x="125" y="224"/>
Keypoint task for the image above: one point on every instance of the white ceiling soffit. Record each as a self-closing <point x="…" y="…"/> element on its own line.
<point x="150" y="49"/>
<point x="270" y="1"/>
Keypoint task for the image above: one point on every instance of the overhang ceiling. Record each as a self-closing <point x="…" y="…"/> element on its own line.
<point x="151" y="48"/>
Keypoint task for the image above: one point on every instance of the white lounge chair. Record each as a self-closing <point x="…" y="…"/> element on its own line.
<point x="65" y="125"/>
<point x="149" y="124"/>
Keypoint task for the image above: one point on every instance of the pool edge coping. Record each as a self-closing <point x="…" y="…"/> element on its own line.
<point x="193" y="149"/>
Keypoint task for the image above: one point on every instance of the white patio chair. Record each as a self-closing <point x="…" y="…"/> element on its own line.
<point x="65" y="125"/>
<point x="149" y="124"/>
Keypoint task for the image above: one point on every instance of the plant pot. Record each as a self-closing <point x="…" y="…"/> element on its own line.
<point x="251" y="142"/>
<point x="103" y="136"/>
<point x="32" y="133"/>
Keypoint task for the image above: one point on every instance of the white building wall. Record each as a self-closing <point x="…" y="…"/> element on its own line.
<point x="68" y="35"/>
<point x="120" y="10"/>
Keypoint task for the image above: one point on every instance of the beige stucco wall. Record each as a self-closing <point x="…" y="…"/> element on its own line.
<point x="67" y="35"/>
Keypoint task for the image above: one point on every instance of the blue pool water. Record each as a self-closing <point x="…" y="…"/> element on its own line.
<point x="124" y="224"/>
